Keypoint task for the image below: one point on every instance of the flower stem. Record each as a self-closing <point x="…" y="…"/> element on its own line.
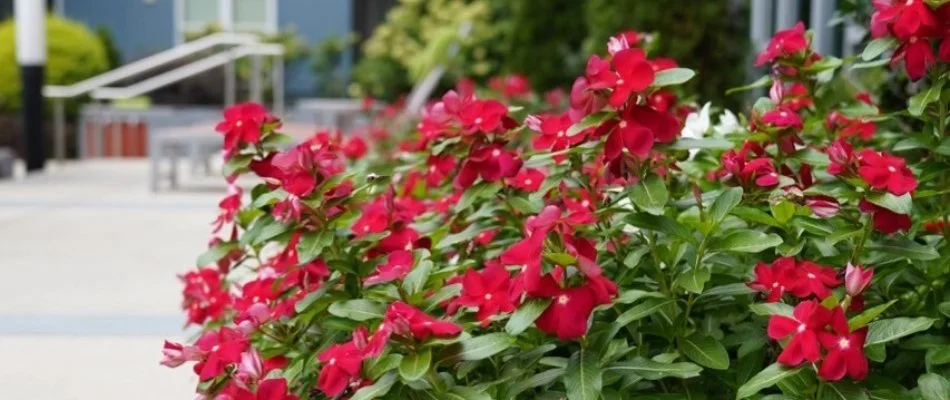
<point x="868" y="227"/>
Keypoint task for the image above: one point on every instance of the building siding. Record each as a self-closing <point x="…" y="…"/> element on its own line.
<point x="314" y="21"/>
<point x="138" y="27"/>
<point x="144" y="27"/>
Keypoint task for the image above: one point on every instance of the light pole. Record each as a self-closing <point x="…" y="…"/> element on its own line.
<point x="31" y="55"/>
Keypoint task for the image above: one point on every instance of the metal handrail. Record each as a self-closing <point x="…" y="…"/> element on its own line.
<point x="148" y="63"/>
<point x="186" y="71"/>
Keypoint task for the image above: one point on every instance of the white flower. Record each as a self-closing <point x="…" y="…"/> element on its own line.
<point x="728" y="123"/>
<point x="697" y="123"/>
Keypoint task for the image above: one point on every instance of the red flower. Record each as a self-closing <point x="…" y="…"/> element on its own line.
<point x="803" y="326"/>
<point x="782" y="118"/>
<point x="823" y="206"/>
<point x="487" y="291"/>
<point x="405" y="319"/>
<point x="785" y="43"/>
<point x="204" y="296"/>
<point x="943" y="14"/>
<point x="570" y="309"/>
<point x="375" y="219"/>
<point x="814" y="279"/>
<point x="269" y="389"/>
<point x="554" y="135"/>
<point x="529" y="180"/>
<point x="628" y="137"/>
<point x="482" y="116"/>
<point x="884" y="171"/>
<point x="491" y="162"/>
<point x="885" y="221"/>
<point x="856" y="279"/>
<point x="220" y="349"/>
<point x="583" y="100"/>
<point x="228" y="206"/>
<point x="341" y="368"/>
<point x="917" y="55"/>
<point x="599" y="74"/>
<point x="634" y="74"/>
<point x="622" y="41"/>
<point x="175" y="354"/>
<point x="242" y="125"/>
<point x="511" y="86"/>
<point x="761" y="171"/>
<point x="905" y="18"/>
<point x="774" y="279"/>
<point x="841" y="157"/>
<point x="439" y="168"/>
<point x="397" y="266"/>
<point x="354" y="148"/>
<point x="845" y="350"/>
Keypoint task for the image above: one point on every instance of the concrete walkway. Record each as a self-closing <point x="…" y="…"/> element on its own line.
<point x="88" y="288"/>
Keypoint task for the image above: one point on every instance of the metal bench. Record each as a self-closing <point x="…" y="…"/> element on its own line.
<point x="195" y="143"/>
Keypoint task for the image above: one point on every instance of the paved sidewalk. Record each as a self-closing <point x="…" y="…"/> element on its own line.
<point x="88" y="290"/>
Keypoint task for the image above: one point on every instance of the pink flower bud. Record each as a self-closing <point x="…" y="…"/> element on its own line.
<point x="823" y="206"/>
<point x="856" y="279"/>
<point x="175" y="354"/>
<point x="251" y="365"/>
<point x="777" y="92"/>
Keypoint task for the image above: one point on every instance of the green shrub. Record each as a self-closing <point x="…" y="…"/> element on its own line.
<point x="74" y="53"/>
<point x="708" y="36"/>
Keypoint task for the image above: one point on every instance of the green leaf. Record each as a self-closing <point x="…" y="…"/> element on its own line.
<point x="938" y="356"/>
<point x="898" y="204"/>
<point x="653" y="370"/>
<point x="269" y="198"/>
<point x="843" y="391"/>
<point x="590" y="121"/>
<point x="905" y="249"/>
<point x="467" y="393"/>
<point x="917" y="104"/>
<point x="650" y="195"/>
<point x="312" y="244"/>
<point x="723" y="204"/>
<point x="264" y="229"/>
<point x="562" y="259"/>
<point x="876" y="353"/>
<point x="766" y="378"/>
<point x="732" y="289"/>
<point x="693" y="281"/>
<point x="782" y="211"/>
<point x="877" y="47"/>
<point x="944" y="308"/>
<point x="447" y="292"/>
<point x="769" y="309"/>
<point x="934" y="387"/>
<point x="870" y="64"/>
<point x="481" y="190"/>
<point x="537" y="380"/>
<point x="705" y="351"/>
<point x="755" y="215"/>
<point x="746" y="241"/>
<point x="944" y="147"/>
<point x="237" y="164"/>
<point x="888" y="330"/>
<point x="704" y="143"/>
<point x="383" y="364"/>
<point x="525" y="315"/>
<point x="377" y="389"/>
<point x="415" y="365"/>
<point x="465" y="236"/>
<point x="484" y="346"/>
<point x="641" y="310"/>
<point x="582" y="379"/>
<point x="415" y="280"/>
<point x="358" y="309"/>
<point x="861" y="320"/>
<point x="660" y="223"/>
<point x="764" y="81"/>
<point x="216" y="253"/>
<point x="673" y="76"/>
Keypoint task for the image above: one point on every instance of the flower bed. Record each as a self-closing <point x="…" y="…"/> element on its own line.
<point x="621" y="248"/>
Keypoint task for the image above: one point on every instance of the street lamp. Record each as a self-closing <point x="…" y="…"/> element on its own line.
<point x="31" y="55"/>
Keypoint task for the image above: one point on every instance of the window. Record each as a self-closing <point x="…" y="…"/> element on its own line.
<point x="229" y="15"/>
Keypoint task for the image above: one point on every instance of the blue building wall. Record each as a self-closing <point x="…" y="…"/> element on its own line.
<point x="315" y="21"/>
<point x="141" y="28"/>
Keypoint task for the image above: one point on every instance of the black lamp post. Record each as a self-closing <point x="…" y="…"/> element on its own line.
<point x="31" y="54"/>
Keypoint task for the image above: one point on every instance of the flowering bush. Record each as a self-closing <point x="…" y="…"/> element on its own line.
<point x="621" y="248"/>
